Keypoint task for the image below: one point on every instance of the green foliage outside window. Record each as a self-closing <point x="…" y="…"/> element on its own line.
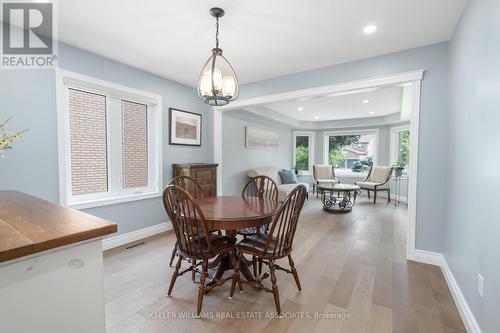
<point x="404" y="147"/>
<point x="302" y="158"/>
<point x="302" y="153"/>
<point x="336" y="157"/>
<point x="341" y="141"/>
<point x="335" y="144"/>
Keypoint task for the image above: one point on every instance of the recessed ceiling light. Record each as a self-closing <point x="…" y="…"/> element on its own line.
<point x="371" y="112"/>
<point x="366" y="101"/>
<point x="300" y="108"/>
<point x="316" y="117"/>
<point x="370" y="29"/>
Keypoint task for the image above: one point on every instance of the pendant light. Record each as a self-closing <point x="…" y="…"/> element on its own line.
<point x="217" y="82"/>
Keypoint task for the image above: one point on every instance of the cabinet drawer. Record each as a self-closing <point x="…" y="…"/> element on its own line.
<point x="204" y="174"/>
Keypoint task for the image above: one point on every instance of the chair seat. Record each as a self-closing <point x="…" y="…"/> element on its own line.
<point x="371" y="185"/>
<point x="219" y="244"/>
<point x="256" y="245"/>
<point x="252" y="230"/>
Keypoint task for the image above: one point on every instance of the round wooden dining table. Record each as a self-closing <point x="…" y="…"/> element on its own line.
<point x="231" y="213"/>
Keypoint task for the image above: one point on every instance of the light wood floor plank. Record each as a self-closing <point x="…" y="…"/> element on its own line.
<point x="380" y="320"/>
<point x="352" y="267"/>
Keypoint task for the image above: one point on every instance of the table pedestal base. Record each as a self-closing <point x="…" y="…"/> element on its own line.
<point x="223" y="263"/>
<point x="338" y="204"/>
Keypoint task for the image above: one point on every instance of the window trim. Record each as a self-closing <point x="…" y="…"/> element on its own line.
<point x="311" y="150"/>
<point x="373" y="131"/>
<point x="394" y="144"/>
<point x="66" y="79"/>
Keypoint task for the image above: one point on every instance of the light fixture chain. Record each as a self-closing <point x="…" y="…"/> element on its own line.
<point x="217" y="33"/>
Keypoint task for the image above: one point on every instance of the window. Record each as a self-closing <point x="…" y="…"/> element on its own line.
<point x="351" y="152"/>
<point x="109" y="142"/>
<point x="88" y="142"/>
<point x="134" y="144"/>
<point x="303" y="151"/>
<point x="400" y="147"/>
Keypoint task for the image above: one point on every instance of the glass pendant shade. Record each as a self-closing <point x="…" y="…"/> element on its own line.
<point x="217" y="82"/>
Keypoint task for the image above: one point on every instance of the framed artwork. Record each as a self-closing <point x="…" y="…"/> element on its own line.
<point x="260" y="138"/>
<point x="185" y="128"/>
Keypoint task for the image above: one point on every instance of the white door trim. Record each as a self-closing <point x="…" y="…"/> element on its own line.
<point x="412" y="171"/>
<point x="413" y="77"/>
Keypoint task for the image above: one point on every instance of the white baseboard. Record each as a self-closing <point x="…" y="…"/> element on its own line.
<point x="466" y="314"/>
<point x="437" y="259"/>
<point x="426" y="257"/>
<point x="112" y="242"/>
<point x="383" y="195"/>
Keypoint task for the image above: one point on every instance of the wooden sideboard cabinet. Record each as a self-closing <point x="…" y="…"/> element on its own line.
<point x="204" y="174"/>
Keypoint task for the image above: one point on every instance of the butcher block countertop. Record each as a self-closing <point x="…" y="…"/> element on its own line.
<point x="30" y="225"/>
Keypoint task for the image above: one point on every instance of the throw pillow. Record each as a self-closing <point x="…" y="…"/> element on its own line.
<point x="288" y="177"/>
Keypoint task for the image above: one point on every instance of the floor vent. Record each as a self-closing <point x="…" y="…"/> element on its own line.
<point x="135" y="245"/>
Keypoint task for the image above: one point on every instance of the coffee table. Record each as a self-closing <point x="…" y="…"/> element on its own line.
<point x="343" y="201"/>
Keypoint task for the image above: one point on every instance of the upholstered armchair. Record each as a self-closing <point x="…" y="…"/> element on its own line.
<point x="323" y="174"/>
<point x="376" y="181"/>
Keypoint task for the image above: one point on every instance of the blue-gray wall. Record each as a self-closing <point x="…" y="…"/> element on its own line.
<point x="30" y="98"/>
<point x="472" y="220"/>
<point x="237" y="160"/>
<point x="433" y="120"/>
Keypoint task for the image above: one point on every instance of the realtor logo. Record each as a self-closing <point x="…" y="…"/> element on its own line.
<point x="28" y="35"/>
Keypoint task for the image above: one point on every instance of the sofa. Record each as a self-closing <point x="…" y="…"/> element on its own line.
<point x="283" y="189"/>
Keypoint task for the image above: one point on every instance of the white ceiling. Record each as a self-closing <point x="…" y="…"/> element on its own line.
<point x="261" y="38"/>
<point x="378" y="102"/>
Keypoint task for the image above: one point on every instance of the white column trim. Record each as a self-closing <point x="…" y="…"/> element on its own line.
<point x="218" y="148"/>
<point x="412" y="171"/>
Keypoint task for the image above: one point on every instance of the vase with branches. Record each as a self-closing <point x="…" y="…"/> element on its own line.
<point x="398" y="168"/>
<point x="8" y="137"/>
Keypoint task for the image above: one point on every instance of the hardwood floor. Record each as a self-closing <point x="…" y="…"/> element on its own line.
<point x="361" y="272"/>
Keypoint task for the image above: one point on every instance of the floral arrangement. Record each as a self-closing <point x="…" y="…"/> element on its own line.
<point x="399" y="165"/>
<point x="8" y="138"/>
